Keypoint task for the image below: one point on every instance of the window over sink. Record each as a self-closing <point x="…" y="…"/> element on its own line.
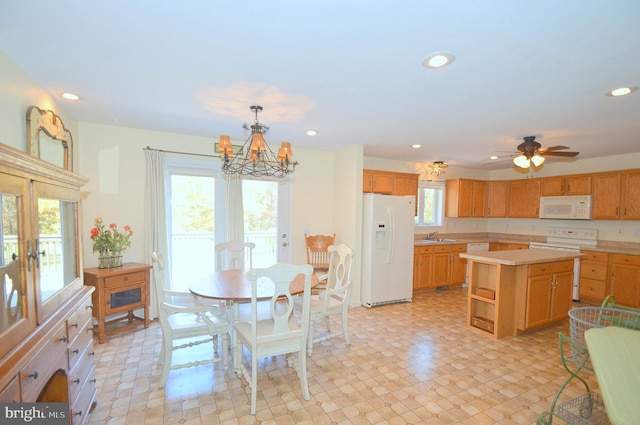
<point x="430" y="204"/>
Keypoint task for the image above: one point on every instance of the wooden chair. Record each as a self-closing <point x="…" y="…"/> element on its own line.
<point x="280" y="333"/>
<point x="179" y="320"/>
<point x="335" y="298"/>
<point x="317" y="251"/>
<point x="233" y="255"/>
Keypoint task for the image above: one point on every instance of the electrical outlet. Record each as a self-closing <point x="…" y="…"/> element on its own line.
<point x="620" y="232"/>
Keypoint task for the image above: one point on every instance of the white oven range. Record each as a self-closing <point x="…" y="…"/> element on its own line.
<point x="566" y="239"/>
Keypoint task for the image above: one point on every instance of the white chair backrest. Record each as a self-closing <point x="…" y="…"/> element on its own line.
<point x="340" y="268"/>
<point x="231" y="255"/>
<point x="281" y="304"/>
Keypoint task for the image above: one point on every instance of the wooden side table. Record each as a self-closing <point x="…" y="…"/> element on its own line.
<point x="118" y="291"/>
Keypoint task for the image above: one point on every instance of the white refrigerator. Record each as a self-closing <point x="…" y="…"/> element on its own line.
<point x="387" y="249"/>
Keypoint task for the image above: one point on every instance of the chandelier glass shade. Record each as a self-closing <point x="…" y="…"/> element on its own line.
<point x="524" y="161"/>
<point x="256" y="158"/>
<point x="436" y="168"/>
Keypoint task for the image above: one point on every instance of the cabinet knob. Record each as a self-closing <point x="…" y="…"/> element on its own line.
<point x="75" y="325"/>
<point x="76" y="381"/>
<point x="63" y="339"/>
<point x="90" y="306"/>
<point x="78" y="413"/>
<point x="34" y="375"/>
<point x="76" y="351"/>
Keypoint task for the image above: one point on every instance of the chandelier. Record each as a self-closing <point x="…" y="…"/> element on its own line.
<point x="436" y="168"/>
<point x="256" y="158"/>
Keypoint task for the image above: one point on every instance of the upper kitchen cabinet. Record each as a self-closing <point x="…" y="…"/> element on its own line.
<point x="465" y="198"/>
<point x="630" y="206"/>
<point x="389" y="183"/>
<point x="605" y="196"/>
<point x="566" y="185"/>
<point x="377" y="182"/>
<point x="497" y="192"/>
<point x="524" y="198"/>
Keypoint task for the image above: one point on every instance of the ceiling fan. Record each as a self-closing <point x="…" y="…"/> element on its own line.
<point x="533" y="152"/>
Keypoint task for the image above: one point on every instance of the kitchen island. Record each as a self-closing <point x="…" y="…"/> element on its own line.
<point x="511" y="292"/>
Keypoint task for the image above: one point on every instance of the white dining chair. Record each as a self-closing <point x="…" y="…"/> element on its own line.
<point x="234" y="255"/>
<point x="182" y="319"/>
<point x="280" y="334"/>
<point x="334" y="299"/>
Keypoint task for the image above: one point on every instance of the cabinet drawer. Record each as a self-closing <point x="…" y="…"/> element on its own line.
<point x="423" y="250"/>
<point x="78" y="376"/>
<point x="633" y="260"/>
<point x="11" y="393"/>
<point x="595" y="256"/>
<point x="79" y="345"/>
<point x="81" y="406"/>
<point x="77" y="323"/>
<point x="458" y="248"/>
<point x="50" y="358"/>
<point x="442" y="248"/>
<point x="593" y="270"/>
<point x="540" y="269"/>
<point x="595" y="289"/>
<point x="124" y="279"/>
<point x="563" y="266"/>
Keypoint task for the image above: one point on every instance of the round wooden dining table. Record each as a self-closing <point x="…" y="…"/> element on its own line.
<point x="234" y="287"/>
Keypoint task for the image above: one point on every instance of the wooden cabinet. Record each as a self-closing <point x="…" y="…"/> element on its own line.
<point x="524" y="198"/>
<point x="630" y="204"/>
<point x="405" y="184"/>
<point x="447" y="266"/>
<point x="593" y="277"/>
<point x="377" y="182"/>
<point x="566" y="185"/>
<point x="118" y="292"/>
<point x="465" y="198"/>
<point x="605" y="196"/>
<point x="501" y="246"/>
<point x="497" y="198"/>
<point x="46" y="331"/>
<point x="422" y="258"/>
<point x="546" y="297"/>
<point x="624" y="282"/>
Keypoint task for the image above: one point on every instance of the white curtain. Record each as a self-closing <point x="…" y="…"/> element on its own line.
<point x="156" y="217"/>
<point x="235" y="209"/>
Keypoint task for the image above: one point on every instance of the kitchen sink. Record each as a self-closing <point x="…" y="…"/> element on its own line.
<point x="438" y="240"/>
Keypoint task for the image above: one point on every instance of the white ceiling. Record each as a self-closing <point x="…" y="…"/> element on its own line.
<point x="352" y="70"/>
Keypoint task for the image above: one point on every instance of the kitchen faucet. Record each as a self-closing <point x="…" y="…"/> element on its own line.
<point x="432" y="235"/>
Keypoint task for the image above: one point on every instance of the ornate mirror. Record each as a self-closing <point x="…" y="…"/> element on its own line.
<point x="48" y="139"/>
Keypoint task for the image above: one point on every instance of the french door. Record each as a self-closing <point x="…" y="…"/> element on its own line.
<point x="197" y="217"/>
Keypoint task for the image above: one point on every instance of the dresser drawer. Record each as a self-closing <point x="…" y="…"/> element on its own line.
<point x="50" y="358"/>
<point x="78" y="346"/>
<point x="78" y="375"/>
<point x="82" y="405"/>
<point x="593" y="270"/>
<point x="77" y="323"/>
<point x="124" y="279"/>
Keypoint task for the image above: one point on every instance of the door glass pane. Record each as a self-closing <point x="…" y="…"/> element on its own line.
<point x="11" y="308"/>
<point x="192" y="228"/>
<point x="56" y="245"/>
<point x="260" y="204"/>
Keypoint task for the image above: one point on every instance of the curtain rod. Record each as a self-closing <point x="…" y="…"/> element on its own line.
<point x="148" y="148"/>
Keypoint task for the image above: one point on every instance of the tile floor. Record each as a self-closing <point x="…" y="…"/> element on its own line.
<point x="407" y="364"/>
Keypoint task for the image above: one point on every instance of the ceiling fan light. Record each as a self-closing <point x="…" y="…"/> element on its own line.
<point x="522" y="161"/>
<point x="537" y="160"/>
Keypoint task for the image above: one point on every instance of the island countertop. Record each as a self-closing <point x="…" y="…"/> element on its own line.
<point x="520" y="256"/>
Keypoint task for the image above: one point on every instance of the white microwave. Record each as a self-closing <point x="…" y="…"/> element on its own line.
<point x="576" y="207"/>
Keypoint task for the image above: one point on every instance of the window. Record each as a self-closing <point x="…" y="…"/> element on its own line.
<point x="430" y="204"/>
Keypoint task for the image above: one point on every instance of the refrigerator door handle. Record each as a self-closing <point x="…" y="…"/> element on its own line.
<point x="392" y="223"/>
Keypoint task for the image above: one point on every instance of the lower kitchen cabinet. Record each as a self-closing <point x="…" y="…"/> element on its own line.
<point x="447" y="266"/>
<point x="593" y="277"/>
<point x="422" y="258"/>
<point x="625" y="279"/>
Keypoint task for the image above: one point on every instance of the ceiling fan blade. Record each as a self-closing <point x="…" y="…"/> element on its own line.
<point x="560" y="153"/>
<point x="553" y="148"/>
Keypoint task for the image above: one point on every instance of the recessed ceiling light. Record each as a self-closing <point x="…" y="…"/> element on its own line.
<point x="70" y="96"/>
<point x="438" y="60"/>
<point x="311" y="132"/>
<point x="621" y="91"/>
<point x="416" y="146"/>
<point x="493" y="157"/>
